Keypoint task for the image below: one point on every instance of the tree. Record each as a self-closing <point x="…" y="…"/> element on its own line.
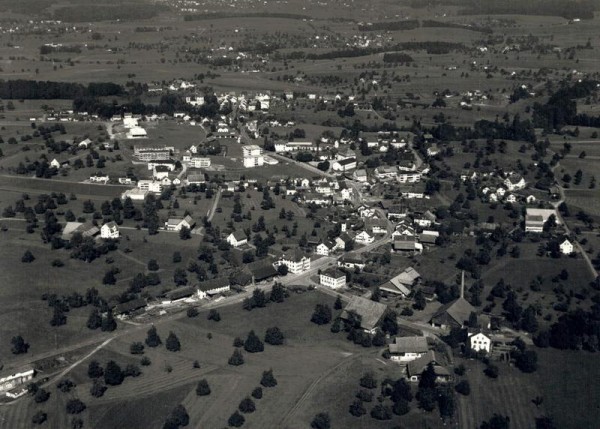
<point x="192" y="312"/>
<point x="321" y="421"/>
<point x="203" y="389"/>
<point x="236" y="358"/>
<point x="274" y="336"/>
<point x="247" y="405"/>
<point x="401" y="407"/>
<point x="497" y="421"/>
<point x="58" y="317"/>
<point x="268" y="379"/>
<point x="109" y="278"/>
<point x="152" y="339"/>
<point x="172" y="344"/>
<point x="491" y="371"/>
<point x="368" y="381"/>
<point x="39" y="418"/>
<point x="136" y="348"/>
<point x="526" y="361"/>
<point x="65" y="385"/>
<point x="427" y="398"/>
<point x="236" y="420"/>
<point x="98" y="388"/>
<point x="381" y="412"/>
<point x="321" y="315"/>
<point x="27" y="257"/>
<point x="446" y="402"/>
<point x="185" y="233"/>
<point x="257" y="393"/>
<point x="338" y="303"/>
<point x="95" y="370"/>
<point x="153" y="265"/>
<point x="18" y="345"/>
<point x="108" y="323"/>
<point x="75" y="406"/>
<point x="282" y="270"/>
<point x="357" y="408"/>
<point x="401" y="390"/>
<point x="41" y="395"/>
<point x="113" y="376"/>
<point x="253" y="344"/>
<point x="214" y="315"/>
<point x="420" y="301"/>
<point x="94" y="320"/>
<point x="178" y="417"/>
<point x="463" y="387"/>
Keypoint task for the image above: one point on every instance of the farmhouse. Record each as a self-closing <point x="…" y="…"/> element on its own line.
<point x="237" y="239"/>
<point x="403" y="283"/>
<point x="181" y="294"/>
<point x="213" y="287"/>
<point x="135" y="194"/>
<point x="360" y="175"/>
<point x="406" y="349"/>
<point x="455" y="314"/>
<point x="352" y="262"/>
<point x="176" y="224"/>
<point x="416" y="368"/>
<point x="54" y="163"/>
<point x="15" y="378"/>
<point x="364" y="237"/>
<point x="566" y="247"/>
<point x="325" y="248"/>
<point x="370" y="312"/>
<point x="480" y="342"/>
<point x="406" y="244"/>
<point x="332" y="278"/>
<point x="137" y="133"/>
<point x="536" y="218"/>
<point x="109" y="230"/>
<point x="408" y="177"/>
<point x="344" y="165"/>
<point x="386" y="172"/>
<point x="296" y="262"/>
<point x="515" y="182"/>
<point x="129" y="307"/>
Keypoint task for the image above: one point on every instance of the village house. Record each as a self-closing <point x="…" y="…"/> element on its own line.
<point x="176" y="224"/>
<point x="237" y="239"/>
<point x="455" y="314"/>
<point x="109" y="230"/>
<point x="332" y="278"/>
<point x="403" y="283"/>
<point x="99" y="179"/>
<point x="416" y="368"/>
<point x="376" y="226"/>
<point x="405" y="244"/>
<point x="364" y="237"/>
<point x="515" y="182"/>
<point x="480" y="342"/>
<point x="566" y="247"/>
<point x="55" y="164"/>
<point x="352" y="262"/>
<point x="15" y="378"/>
<point x="296" y="262"/>
<point x="150" y="186"/>
<point x="343" y="241"/>
<point x="360" y="176"/>
<point x="397" y="212"/>
<point x="325" y="248"/>
<point x="130" y="307"/>
<point x="199" y="162"/>
<point x="536" y="218"/>
<point x="209" y="288"/>
<point x="406" y="349"/>
<point x="386" y="172"/>
<point x="318" y="199"/>
<point x="371" y="313"/>
<point x="344" y="165"/>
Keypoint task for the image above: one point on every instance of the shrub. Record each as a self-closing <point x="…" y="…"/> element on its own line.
<point x="463" y="387"/>
<point x="268" y="379"/>
<point x="257" y="393"/>
<point x="274" y="336"/>
<point x="236" y="358"/>
<point x="75" y="406"/>
<point x="236" y="420"/>
<point x="203" y="389"/>
<point x="247" y="406"/>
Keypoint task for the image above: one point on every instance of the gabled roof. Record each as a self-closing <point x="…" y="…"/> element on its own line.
<point x="409" y="345"/>
<point x="459" y="310"/>
<point x="239" y="235"/>
<point x="217" y="283"/>
<point x="417" y="366"/>
<point x="180" y="292"/>
<point x="111" y="225"/>
<point x="129" y="306"/>
<point x="370" y="312"/>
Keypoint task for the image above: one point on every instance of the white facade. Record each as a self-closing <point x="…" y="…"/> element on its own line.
<point x="333" y="280"/>
<point x="322" y="249"/>
<point x="149" y="185"/>
<point x="235" y="239"/>
<point x="294" y="265"/>
<point x="254" y="161"/>
<point x="480" y="342"/>
<point x="197" y="162"/>
<point x="364" y="238"/>
<point x="109" y="230"/>
<point x="566" y="247"/>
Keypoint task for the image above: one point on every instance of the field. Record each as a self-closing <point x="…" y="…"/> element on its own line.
<point x="311" y="366"/>
<point x="511" y="394"/>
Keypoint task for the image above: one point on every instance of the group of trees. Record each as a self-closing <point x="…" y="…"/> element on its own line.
<point x="248" y="405"/>
<point x="259" y="298"/>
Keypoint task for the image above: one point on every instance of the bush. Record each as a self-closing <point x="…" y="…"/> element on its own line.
<point x="491" y="371"/>
<point x="65" y="385"/>
<point x="97" y="390"/>
<point x="203" y="389"/>
<point x="401" y="407"/>
<point x="95" y="370"/>
<point x="236" y="420"/>
<point x="321" y="421"/>
<point x="368" y="381"/>
<point x="257" y="393"/>
<point x="364" y="395"/>
<point x="113" y="376"/>
<point x="27" y="257"/>
<point x="357" y="408"/>
<point x="381" y="412"/>
<point x="132" y="370"/>
<point x="136" y="348"/>
<point x="75" y="406"/>
<point x="321" y="315"/>
<point x="192" y="312"/>
<point x="145" y="361"/>
<point x="463" y="387"/>
<point x="238" y="342"/>
<point x="39" y="418"/>
<point x="253" y="344"/>
<point x="247" y="406"/>
<point x="274" y="336"/>
<point x="214" y="315"/>
<point x="172" y="344"/>
<point x="268" y="379"/>
<point x="41" y="395"/>
<point x="236" y="358"/>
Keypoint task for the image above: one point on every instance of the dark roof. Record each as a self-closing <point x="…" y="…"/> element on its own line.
<point x="333" y="273"/>
<point x="417" y="366"/>
<point x="347" y="161"/>
<point x="217" y="283"/>
<point x="239" y="235"/>
<point x="129" y="306"/>
<point x="180" y="292"/>
<point x="458" y="311"/>
<point x="370" y="312"/>
<point x="409" y="345"/>
<point x="263" y="272"/>
<point x="428" y="238"/>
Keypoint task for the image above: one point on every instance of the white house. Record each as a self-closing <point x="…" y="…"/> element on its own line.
<point x="213" y="287"/>
<point x="364" y="237"/>
<point x="109" y="230"/>
<point x="325" y="248"/>
<point x="566" y="247"/>
<point x="407" y="349"/>
<point x="360" y="175"/>
<point x="54" y="163"/>
<point x="16" y="378"/>
<point x="176" y="224"/>
<point x="149" y="185"/>
<point x="480" y="342"/>
<point x="237" y="239"/>
<point x="514" y="182"/>
<point x="344" y="165"/>
<point x="296" y="262"/>
<point x="332" y="278"/>
<point x="199" y="162"/>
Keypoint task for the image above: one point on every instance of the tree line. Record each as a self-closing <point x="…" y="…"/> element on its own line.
<point x="22" y="89"/>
